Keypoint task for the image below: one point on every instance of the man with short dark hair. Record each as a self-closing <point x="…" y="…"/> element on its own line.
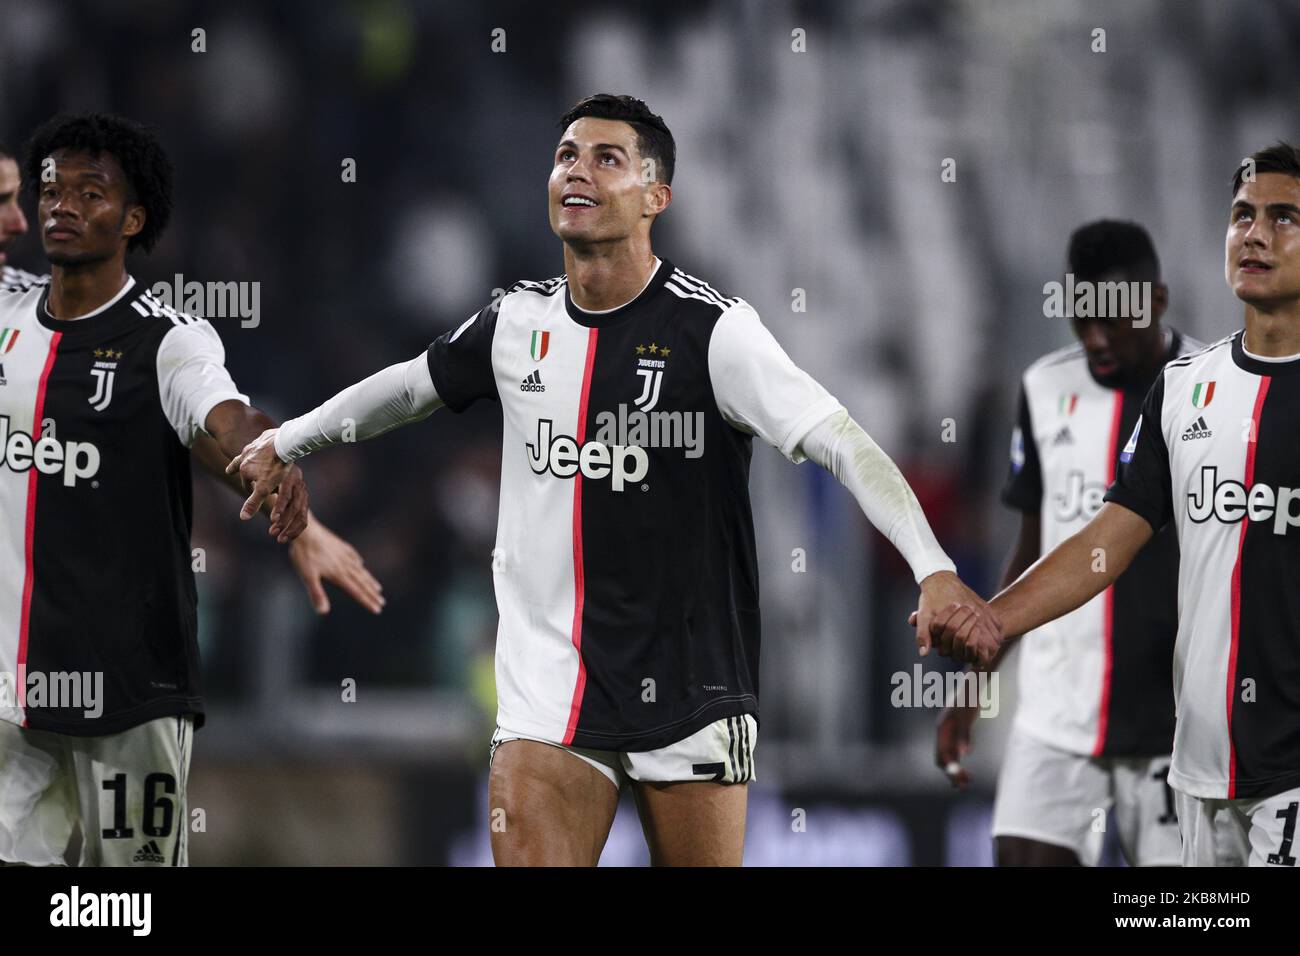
<point x="1214" y="452"/>
<point x="1094" y="721"/>
<point x="625" y="566"/>
<point x="105" y="392"/>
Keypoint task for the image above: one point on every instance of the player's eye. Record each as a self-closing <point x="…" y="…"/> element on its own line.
<point x="91" y="195"/>
<point x="1241" y="214"/>
<point x="1284" y="217"/>
<point x="611" y="157"/>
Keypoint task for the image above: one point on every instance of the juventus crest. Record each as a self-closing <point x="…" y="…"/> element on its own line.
<point x="651" y="373"/>
<point x="104" y="371"/>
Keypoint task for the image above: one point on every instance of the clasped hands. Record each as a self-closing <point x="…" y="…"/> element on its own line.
<point x="956" y="621"/>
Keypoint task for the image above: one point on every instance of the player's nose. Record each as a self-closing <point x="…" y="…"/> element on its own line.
<point x="1095" y="337"/>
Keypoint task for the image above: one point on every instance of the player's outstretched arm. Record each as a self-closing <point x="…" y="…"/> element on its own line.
<point x="230" y="425"/>
<point x="396" y="396"/>
<point x="840" y="445"/>
<point x="317" y="555"/>
<point x="1074" y="572"/>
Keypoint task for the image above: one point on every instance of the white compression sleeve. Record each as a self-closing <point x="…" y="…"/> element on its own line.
<point x="398" y="395"/>
<point x="840" y="446"/>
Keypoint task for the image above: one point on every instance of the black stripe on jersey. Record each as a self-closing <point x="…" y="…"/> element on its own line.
<point x="731" y="747"/>
<point x="691" y="284"/>
<point x="1265" y="731"/>
<point x="702" y="648"/>
<point x="727" y="300"/>
<point x="679" y="283"/>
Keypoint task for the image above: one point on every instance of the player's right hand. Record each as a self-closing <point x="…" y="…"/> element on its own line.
<point x="261" y="470"/>
<point x="952" y="743"/>
<point x="966" y="634"/>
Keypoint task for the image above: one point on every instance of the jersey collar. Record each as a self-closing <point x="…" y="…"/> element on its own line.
<point x="1256" y="367"/>
<point x="596" y="320"/>
<point x="91" y="324"/>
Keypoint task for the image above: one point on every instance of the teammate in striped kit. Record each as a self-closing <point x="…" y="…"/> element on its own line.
<point x="1215" y="453"/>
<point x="1095" y="720"/>
<point x="625" y="564"/>
<point x="103" y="393"/>
<point x="13" y="224"/>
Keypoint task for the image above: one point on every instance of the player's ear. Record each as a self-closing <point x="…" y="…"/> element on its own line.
<point x="133" y="221"/>
<point x="1159" y="299"/>
<point x="657" y="198"/>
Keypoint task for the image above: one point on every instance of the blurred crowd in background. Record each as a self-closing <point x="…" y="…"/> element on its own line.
<point x="811" y="140"/>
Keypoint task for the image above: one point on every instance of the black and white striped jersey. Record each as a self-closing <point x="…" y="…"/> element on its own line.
<point x="1215" y="451"/>
<point x="1096" y="681"/>
<point x="625" y="567"/>
<point x="96" y="416"/>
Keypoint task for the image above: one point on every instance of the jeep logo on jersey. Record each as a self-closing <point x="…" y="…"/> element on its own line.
<point x="75" y="459"/>
<point x="1229" y="501"/>
<point x="564" y="458"/>
<point x="1081" y="499"/>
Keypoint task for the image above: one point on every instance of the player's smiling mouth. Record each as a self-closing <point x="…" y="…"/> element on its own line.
<point x="578" y="201"/>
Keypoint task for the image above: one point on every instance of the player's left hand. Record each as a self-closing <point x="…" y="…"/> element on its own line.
<point x="318" y="554"/>
<point x="263" y="473"/>
<point x="967" y="628"/>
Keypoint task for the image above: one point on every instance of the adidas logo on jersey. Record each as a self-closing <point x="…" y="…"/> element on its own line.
<point x="533" y="383"/>
<point x="75" y="459"/>
<point x="1197" y="429"/>
<point x="1230" y="501"/>
<point x="149" y="853"/>
<point x="1063" y="437"/>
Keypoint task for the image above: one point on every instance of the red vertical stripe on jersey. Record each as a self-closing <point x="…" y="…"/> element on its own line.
<point x="1108" y="596"/>
<point x="30" y="532"/>
<point x="580" y="435"/>
<point x="1236" y="582"/>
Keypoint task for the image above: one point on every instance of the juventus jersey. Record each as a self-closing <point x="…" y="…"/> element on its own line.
<point x="625" y="567"/>
<point x="1215" y="452"/>
<point x="96" y="416"/>
<point x="1097" y="680"/>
